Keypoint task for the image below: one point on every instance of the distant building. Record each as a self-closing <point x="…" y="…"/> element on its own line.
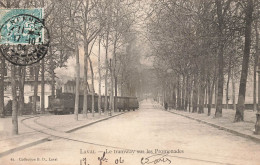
<point x="28" y="87"/>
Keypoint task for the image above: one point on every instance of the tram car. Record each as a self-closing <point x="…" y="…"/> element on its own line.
<point x="64" y="103"/>
<point x="127" y="103"/>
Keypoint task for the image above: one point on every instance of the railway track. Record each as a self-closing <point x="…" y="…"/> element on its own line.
<point x="33" y="123"/>
<point x="52" y="134"/>
<point x="55" y="135"/>
<point x="48" y="134"/>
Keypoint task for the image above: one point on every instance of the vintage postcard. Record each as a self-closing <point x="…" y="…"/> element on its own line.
<point x="129" y="82"/>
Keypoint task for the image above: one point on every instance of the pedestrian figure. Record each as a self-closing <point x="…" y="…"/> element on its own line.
<point x="166" y="105"/>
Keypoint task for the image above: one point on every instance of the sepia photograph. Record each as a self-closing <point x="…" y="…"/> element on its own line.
<point x="129" y="82"/>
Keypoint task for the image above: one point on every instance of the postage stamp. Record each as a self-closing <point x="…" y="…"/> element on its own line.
<point x="24" y="39"/>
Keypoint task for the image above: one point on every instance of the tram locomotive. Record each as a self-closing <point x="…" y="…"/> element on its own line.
<point x="64" y="103"/>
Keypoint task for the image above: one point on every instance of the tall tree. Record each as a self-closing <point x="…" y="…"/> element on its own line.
<point x="242" y="87"/>
<point x="256" y="62"/>
<point x="14" y="101"/>
<point x="22" y="73"/>
<point x="42" y="86"/>
<point x="220" y="16"/>
<point x="36" y="69"/>
<point x="90" y="29"/>
<point x="99" y="75"/>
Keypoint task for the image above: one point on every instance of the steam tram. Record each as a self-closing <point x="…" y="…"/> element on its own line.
<point x="64" y="103"/>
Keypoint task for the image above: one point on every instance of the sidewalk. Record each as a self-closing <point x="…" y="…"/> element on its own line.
<point x="244" y="129"/>
<point x="48" y="125"/>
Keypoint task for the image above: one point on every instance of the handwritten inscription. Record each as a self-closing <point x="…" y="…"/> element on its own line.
<point x="155" y="159"/>
<point x="102" y="160"/>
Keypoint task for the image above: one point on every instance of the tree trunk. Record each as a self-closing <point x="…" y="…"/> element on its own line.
<point x="42" y="87"/>
<point x="21" y="89"/>
<point x="183" y="93"/>
<point x="242" y="88"/>
<point x="257" y="129"/>
<point x="52" y="67"/>
<point x="122" y="83"/>
<point x="218" y="112"/>
<point x="2" y="73"/>
<point x="209" y="95"/>
<point x="99" y="77"/>
<point x="113" y="77"/>
<point x="233" y="91"/>
<point x="77" y="88"/>
<point x="93" y="89"/>
<point x="85" y="105"/>
<point x="35" y="93"/>
<point x="228" y="79"/>
<point x="216" y="92"/>
<point x="255" y="64"/>
<point x="202" y="86"/>
<point x="115" y="97"/>
<point x="52" y="74"/>
<point x="14" y="102"/>
<point x="106" y="59"/>
<point x="206" y="94"/>
<point x="201" y="97"/>
<point x="178" y="94"/>
<point x="106" y="75"/>
<point x="219" y="102"/>
<point x="86" y="44"/>
<point x="174" y="96"/>
<point x="190" y="94"/>
<point x="195" y="96"/>
<point x="187" y="93"/>
<point x="76" y="106"/>
<point x="163" y="94"/>
<point x="111" y="88"/>
<point x="106" y="97"/>
<point x="115" y="82"/>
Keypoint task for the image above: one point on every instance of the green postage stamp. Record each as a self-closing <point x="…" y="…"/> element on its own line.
<point x="21" y="26"/>
<point x="24" y="39"/>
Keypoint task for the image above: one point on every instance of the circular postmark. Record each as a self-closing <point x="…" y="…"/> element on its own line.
<point x="24" y="40"/>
